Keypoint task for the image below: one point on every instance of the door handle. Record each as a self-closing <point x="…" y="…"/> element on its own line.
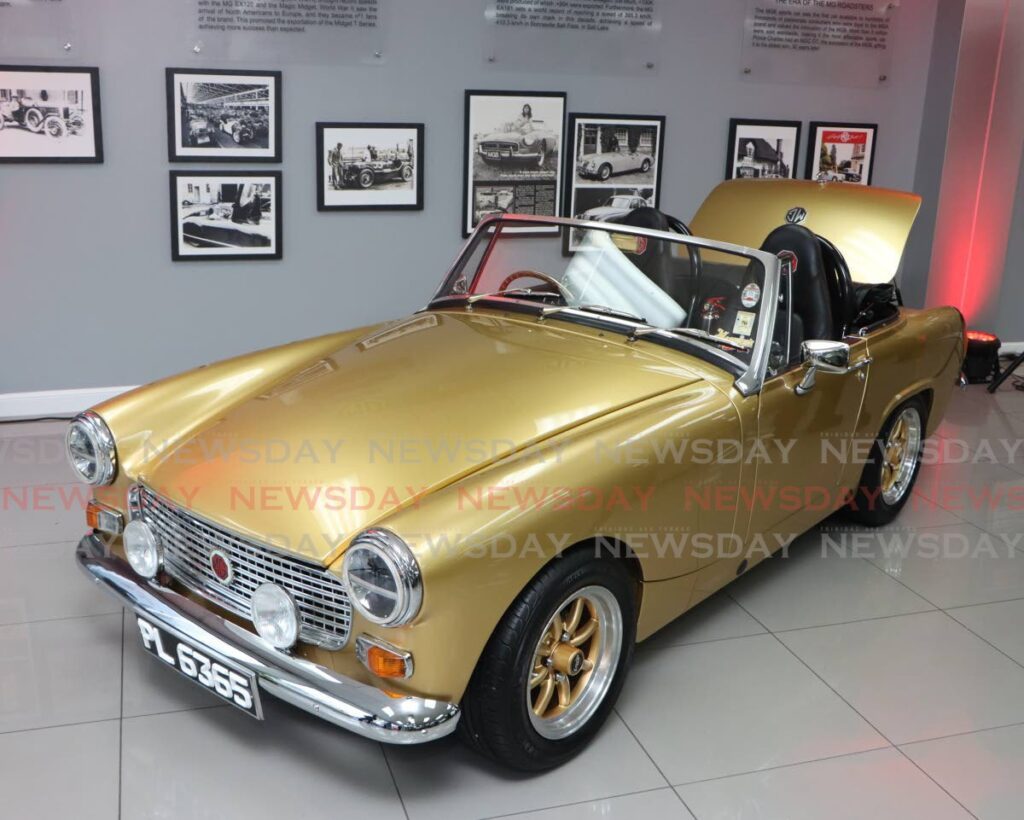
<point x="860" y="364"/>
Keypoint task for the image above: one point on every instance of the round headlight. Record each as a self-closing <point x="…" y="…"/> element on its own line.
<point x="383" y="578"/>
<point x="142" y="547"/>
<point x="91" y="450"/>
<point x="529" y="139"/>
<point x="275" y="616"/>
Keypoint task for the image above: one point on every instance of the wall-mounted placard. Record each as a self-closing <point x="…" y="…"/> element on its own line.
<point x="578" y="37"/>
<point x="820" y="42"/>
<point x="42" y="29"/>
<point x="311" y="31"/>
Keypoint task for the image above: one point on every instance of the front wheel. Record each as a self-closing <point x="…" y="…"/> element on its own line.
<point x="892" y="467"/>
<point x="605" y="171"/>
<point x="34" y="120"/>
<point x="555" y="664"/>
<point x="366" y="178"/>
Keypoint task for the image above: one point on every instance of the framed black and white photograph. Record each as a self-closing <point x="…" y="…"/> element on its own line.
<point x="615" y="164"/>
<point x="762" y="149"/>
<point x="513" y="147"/>
<point x="234" y="215"/>
<point x="369" y="166"/>
<point x="50" y="114"/>
<point x="223" y="116"/>
<point x="841" y="152"/>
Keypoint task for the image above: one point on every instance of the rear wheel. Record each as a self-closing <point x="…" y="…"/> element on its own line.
<point x="645" y="166"/>
<point x="892" y="467"/>
<point x="555" y="664"/>
<point x="54" y="126"/>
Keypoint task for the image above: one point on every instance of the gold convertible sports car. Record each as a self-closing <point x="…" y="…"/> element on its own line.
<point x="468" y="517"/>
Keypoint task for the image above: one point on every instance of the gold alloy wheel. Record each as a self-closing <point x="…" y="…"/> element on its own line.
<point x="899" y="455"/>
<point x="574" y="662"/>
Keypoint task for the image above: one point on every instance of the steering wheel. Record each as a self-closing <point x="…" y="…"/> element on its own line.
<point x="536" y="274"/>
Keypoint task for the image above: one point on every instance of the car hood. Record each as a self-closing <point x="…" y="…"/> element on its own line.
<point x="384" y="421"/>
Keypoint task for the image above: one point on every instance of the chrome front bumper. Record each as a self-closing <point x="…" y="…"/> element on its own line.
<point x="342" y="701"/>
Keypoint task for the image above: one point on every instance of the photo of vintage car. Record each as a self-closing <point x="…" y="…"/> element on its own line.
<point x="41" y="117"/>
<point x="365" y="173"/>
<point x="606" y="163"/>
<point x="531" y="142"/>
<point x="238" y="128"/>
<point x="200" y="131"/>
<point x="500" y="591"/>
<point x="614" y="207"/>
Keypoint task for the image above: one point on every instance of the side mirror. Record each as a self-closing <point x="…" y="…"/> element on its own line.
<point x="824" y="355"/>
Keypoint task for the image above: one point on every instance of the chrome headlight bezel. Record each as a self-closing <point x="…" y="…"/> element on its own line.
<point x="398" y="559"/>
<point x="102" y="442"/>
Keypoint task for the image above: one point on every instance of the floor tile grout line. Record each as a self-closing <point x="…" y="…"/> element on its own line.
<point x="954" y="620"/>
<point x="61" y="618"/>
<point x="394" y="780"/>
<point x="643" y="748"/>
<point x="57" y="726"/>
<point x="963" y="734"/>
<point x="578" y="803"/>
<point x="120" y="728"/>
<point x="792" y="765"/>
<point x="69" y="724"/>
<point x="857" y="711"/>
<point x="983" y="603"/>
<point x="983" y="639"/>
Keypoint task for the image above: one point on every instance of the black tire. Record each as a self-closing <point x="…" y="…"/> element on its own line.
<point x="645" y="166"/>
<point x="496" y="719"/>
<point x="406" y="172"/>
<point x="366" y="178"/>
<point x="869" y="505"/>
<point x="604" y="172"/>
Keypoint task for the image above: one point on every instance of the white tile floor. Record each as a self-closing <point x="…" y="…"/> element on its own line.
<point x="878" y="677"/>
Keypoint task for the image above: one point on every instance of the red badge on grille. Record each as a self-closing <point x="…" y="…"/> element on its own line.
<point x="221" y="566"/>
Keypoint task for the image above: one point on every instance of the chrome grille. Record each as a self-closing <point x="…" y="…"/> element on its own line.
<point x="324" y="608"/>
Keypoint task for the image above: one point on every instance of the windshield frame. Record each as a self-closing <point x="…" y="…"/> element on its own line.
<point x="750" y="375"/>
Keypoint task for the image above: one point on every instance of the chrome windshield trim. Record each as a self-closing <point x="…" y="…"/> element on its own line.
<point x="750" y="381"/>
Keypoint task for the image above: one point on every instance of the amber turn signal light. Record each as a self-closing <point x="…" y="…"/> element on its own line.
<point x="383" y="659"/>
<point x="385" y="664"/>
<point x="103" y="518"/>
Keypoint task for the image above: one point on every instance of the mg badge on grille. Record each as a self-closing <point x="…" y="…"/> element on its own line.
<point x="221" y="566"/>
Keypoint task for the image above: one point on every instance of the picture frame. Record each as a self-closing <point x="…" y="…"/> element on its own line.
<point x="614" y="165"/>
<point x="50" y="114"/>
<point x="226" y="215"/>
<point x="850" y="148"/>
<point x="762" y="149"/>
<point x="223" y="115"/>
<point x="369" y="166"/>
<point x="513" y="143"/>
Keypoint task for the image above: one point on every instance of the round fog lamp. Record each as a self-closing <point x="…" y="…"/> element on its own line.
<point x="142" y="548"/>
<point x="275" y="616"/>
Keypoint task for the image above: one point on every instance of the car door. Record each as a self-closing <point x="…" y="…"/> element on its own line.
<point x="806" y="453"/>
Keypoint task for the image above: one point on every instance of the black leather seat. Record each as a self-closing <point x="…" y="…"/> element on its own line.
<point x="811" y="298"/>
<point x="657" y="262"/>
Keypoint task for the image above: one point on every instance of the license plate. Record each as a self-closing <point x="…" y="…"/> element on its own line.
<point x="203" y="668"/>
<point x="203" y="139"/>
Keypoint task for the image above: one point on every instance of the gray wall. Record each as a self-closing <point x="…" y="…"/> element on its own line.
<point x="90" y="297"/>
<point x="932" y="152"/>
